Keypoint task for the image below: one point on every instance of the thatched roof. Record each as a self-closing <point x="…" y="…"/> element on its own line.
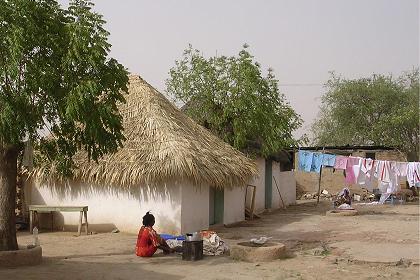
<point x="163" y="145"/>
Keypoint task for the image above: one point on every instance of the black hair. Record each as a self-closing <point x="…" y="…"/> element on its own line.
<point x="148" y="219"/>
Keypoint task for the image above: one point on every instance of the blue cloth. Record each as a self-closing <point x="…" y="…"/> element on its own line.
<point x="169" y="236"/>
<point x="305" y="160"/>
<point x="328" y="160"/>
<point x="317" y="159"/>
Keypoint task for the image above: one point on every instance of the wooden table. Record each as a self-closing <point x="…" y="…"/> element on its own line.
<point x="35" y="209"/>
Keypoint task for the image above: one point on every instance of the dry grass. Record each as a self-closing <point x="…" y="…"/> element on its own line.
<point x="163" y="145"/>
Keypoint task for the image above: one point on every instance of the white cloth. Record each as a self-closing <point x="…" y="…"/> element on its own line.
<point x="384" y="197"/>
<point x="214" y="246"/>
<point x="413" y="173"/>
<point x="345" y="206"/>
<point x="382" y="171"/>
<point x="402" y="169"/>
<point x="387" y="175"/>
<point x="172" y="243"/>
<point x="366" y="173"/>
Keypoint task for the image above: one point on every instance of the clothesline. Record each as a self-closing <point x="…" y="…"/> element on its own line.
<point x="363" y="171"/>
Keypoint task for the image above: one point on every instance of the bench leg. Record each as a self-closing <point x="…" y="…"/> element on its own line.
<point x="31" y="221"/>
<point x="86" y="222"/>
<point x="36" y="220"/>
<point x="79" y="228"/>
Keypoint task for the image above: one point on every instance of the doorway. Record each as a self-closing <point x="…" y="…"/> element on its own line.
<point x="268" y="183"/>
<point x="216" y="206"/>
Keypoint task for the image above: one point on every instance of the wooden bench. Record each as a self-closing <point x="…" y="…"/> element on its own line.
<point x="35" y="209"/>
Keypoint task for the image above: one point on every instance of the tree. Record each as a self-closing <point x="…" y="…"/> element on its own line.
<point x="230" y="96"/>
<point x="55" y="76"/>
<point x="379" y="110"/>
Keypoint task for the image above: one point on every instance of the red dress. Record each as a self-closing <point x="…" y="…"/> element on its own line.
<point x="147" y="242"/>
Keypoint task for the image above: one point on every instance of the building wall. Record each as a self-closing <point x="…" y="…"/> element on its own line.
<point x="333" y="180"/>
<point x="287" y="184"/>
<point x="259" y="182"/>
<point x="285" y="181"/>
<point x="195" y="208"/>
<point x="110" y="208"/>
<point x="234" y="205"/>
<point x="179" y="208"/>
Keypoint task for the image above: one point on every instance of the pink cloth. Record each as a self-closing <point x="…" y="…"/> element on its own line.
<point x="340" y="162"/>
<point x="352" y="169"/>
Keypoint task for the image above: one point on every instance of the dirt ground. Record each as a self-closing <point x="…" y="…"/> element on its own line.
<point x="381" y="243"/>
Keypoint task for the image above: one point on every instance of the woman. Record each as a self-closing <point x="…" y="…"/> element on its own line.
<point x="148" y="241"/>
<point x="343" y="197"/>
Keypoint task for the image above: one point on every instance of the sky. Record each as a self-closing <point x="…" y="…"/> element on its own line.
<point x="302" y="40"/>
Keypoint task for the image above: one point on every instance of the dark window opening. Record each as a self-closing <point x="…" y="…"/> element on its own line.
<point x="370" y="155"/>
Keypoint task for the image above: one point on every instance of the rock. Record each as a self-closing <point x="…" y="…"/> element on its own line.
<point x="325" y="192"/>
<point x="308" y="196"/>
<point x="341" y="213"/>
<point x="403" y="263"/>
<point x="115" y="230"/>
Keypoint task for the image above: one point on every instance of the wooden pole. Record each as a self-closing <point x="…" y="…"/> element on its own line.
<point x="319" y="185"/>
<point x="319" y="179"/>
<point x="282" y="202"/>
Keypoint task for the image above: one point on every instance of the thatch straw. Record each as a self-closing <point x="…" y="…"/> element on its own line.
<point x="164" y="145"/>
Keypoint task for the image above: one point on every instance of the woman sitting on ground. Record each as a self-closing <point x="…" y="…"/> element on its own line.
<point x="148" y="241"/>
<point x="343" y="198"/>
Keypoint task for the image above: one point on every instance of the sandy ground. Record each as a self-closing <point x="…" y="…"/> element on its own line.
<point x="368" y="246"/>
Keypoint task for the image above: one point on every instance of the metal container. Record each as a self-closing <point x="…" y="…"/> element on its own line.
<point x="195" y="236"/>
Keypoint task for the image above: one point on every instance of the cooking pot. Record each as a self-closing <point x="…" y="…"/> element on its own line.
<point x="195" y="236"/>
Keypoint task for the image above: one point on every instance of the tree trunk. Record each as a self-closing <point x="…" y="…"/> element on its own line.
<point x="8" y="173"/>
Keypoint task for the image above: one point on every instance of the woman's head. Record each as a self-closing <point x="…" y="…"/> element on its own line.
<point x="148" y="220"/>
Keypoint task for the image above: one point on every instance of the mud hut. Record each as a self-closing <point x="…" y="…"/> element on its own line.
<point x="169" y="164"/>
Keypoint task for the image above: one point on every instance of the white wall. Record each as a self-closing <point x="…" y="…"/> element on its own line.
<point x="287" y="185"/>
<point x="234" y="205"/>
<point x="259" y="182"/>
<point x="195" y="208"/>
<point x="109" y="208"/>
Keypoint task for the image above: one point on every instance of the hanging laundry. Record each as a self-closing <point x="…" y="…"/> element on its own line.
<point x="387" y="174"/>
<point x="413" y="174"/>
<point x="366" y="173"/>
<point x="340" y="162"/>
<point x="328" y="160"/>
<point x="317" y="159"/>
<point x="352" y="169"/>
<point x="382" y="171"/>
<point x="401" y="169"/>
<point x="305" y="160"/>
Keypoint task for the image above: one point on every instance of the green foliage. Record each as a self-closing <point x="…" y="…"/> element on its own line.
<point x="379" y="110"/>
<point x="230" y="96"/>
<point x="56" y="77"/>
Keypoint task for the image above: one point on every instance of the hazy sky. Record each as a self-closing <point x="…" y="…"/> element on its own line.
<point x="301" y="40"/>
